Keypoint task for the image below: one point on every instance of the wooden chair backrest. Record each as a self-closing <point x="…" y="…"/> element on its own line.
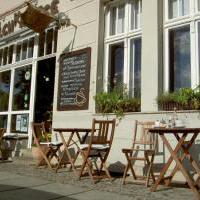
<point x="102" y="131"/>
<point x="142" y="135"/>
<point x="39" y="133"/>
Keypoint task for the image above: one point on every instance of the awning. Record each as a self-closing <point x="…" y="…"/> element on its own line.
<point x="36" y="19"/>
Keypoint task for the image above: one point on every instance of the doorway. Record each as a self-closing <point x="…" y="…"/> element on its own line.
<point x="44" y="90"/>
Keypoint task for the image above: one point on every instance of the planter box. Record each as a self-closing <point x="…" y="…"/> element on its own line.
<point x="170" y="106"/>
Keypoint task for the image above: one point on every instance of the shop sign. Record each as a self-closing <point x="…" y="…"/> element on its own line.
<point x="74" y="80"/>
<point x="9" y="27"/>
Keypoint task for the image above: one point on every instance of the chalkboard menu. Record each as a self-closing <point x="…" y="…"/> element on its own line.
<point x="74" y="80"/>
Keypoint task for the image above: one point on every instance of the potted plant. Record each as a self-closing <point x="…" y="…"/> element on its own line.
<point x="36" y="153"/>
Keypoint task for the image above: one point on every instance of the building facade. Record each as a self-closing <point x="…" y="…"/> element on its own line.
<point x="152" y="46"/>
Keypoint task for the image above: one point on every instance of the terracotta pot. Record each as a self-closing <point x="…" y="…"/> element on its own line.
<point x="36" y="153"/>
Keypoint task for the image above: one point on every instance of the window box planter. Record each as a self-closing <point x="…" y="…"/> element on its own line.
<point x="182" y="99"/>
<point x="117" y="102"/>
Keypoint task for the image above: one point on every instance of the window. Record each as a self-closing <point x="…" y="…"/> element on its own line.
<point x="24" y="49"/>
<point x="10" y="54"/>
<point x="5" y="55"/>
<point x="4" y="90"/>
<point x="18" y="52"/>
<point x="22" y="85"/>
<point x="180" y="64"/>
<point x="48" y="42"/>
<point x="135" y="68"/>
<point x="3" y="121"/>
<point x="30" y="47"/>
<point x="123" y="62"/>
<point x="117" y="65"/>
<point x="19" y="123"/>
<point x="117" y="19"/>
<point x="1" y="57"/>
<point x="178" y="8"/>
<point x="182" y="58"/>
<point x="136" y="9"/>
<point x="55" y="40"/>
<point x="199" y="5"/>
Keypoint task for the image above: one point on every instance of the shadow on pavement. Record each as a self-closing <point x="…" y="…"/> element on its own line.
<point x="10" y="192"/>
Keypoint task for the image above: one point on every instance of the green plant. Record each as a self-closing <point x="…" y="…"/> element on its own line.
<point x="116" y="101"/>
<point x="43" y="138"/>
<point x="184" y="98"/>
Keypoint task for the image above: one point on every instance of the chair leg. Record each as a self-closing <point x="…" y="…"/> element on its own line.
<point x="150" y="170"/>
<point x="125" y="173"/>
<point x="103" y="163"/>
<point x="83" y="166"/>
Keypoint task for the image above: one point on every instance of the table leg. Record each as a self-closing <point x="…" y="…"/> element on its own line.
<point x="186" y="155"/>
<point x="166" y="166"/>
<point x="190" y="181"/>
<point x="66" y="144"/>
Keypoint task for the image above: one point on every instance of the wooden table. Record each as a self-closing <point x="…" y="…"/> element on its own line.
<point x="184" y="143"/>
<point x="72" y="132"/>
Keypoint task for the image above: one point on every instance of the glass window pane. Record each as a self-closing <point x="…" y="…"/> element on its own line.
<point x="113" y="21"/>
<point x="24" y="49"/>
<point x="41" y="44"/>
<point x="22" y="85"/>
<point x="120" y="19"/>
<point x="135" y="14"/>
<point x="173" y="9"/>
<point x="19" y="123"/>
<point x="49" y="40"/>
<point x="5" y="55"/>
<point x="30" y="47"/>
<point x="180" y="62"/>
<point x="116" y="71"/>
<point x="184" y="7"/>
<point x="10" y="54"/>
<point x="199" y="46"/>
<point x="135" y="68"/>
<point x="4" y="90"/>
<point x="199" y="5"/>
<point x="3" y="121"/>
<point x="18" y="52"/>
<point x="55" y="40"/>
<point x="1" y="57"/>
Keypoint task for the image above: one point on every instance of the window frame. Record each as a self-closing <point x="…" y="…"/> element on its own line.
<point x="192" y="20"/>
<point x="126" y="37"/>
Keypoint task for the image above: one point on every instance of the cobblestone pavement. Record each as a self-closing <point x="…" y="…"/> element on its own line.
<point x="26" y="167"/>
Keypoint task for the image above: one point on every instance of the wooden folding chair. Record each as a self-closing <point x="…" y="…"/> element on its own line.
<point x="143" y="149"/>
<point x="47" y="148"/>
<point x="2" y="131"/>
<point x="97" y="149"/>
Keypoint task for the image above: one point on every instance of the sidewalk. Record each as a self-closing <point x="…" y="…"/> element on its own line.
<point x="20" y="180"/>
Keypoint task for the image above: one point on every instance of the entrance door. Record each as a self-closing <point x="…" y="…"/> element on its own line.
<point x="44" y="89"/>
